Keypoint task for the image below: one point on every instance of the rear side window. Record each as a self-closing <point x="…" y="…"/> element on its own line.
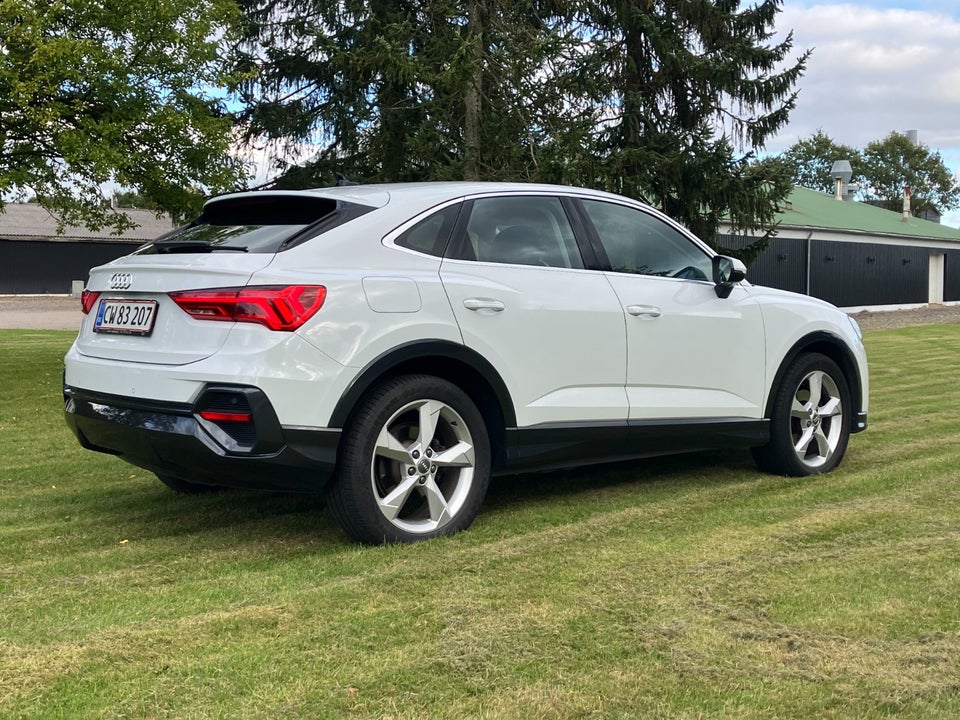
<point x="431" y="234"/>
<point x="265" y="224"/>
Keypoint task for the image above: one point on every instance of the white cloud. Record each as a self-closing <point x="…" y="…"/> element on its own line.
<point x="877" y="70"/>
<point x="873" y="71"/>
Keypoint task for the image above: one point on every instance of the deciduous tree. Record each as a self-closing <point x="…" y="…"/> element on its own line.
<point x="811" y="161"/>
<point x="896" y="162"/>
<point x="126" y="93"/>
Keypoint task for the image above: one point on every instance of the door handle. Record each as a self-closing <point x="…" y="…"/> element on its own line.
<point x="645" y="310"/>
<point x="483" y="304"/>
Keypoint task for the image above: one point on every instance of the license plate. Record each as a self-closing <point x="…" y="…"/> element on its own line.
<point x="126" y="317"/>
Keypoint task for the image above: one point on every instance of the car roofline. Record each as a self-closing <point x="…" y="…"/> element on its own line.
<point x="379" y="195"/>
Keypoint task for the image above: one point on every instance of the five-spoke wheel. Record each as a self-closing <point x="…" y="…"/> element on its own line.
<point x="816" y="419"/>
<point x="415" y="463"/>
<point x="423" y="466"/>
<point x="810" y="419"/>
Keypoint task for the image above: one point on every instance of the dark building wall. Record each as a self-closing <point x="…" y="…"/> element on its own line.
<point x="951" y="280"/>
<point x="848" y="274"/>
<point x="782" y="265"/>
<point x="28" y="266"/>
<point x="853" y="274"/>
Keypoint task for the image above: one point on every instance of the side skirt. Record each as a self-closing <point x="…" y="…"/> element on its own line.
<point x="557" y="445"/>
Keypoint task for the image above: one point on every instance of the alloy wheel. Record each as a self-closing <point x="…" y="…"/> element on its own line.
<point x="816" y="419"/>
<point x="423" y="466"/>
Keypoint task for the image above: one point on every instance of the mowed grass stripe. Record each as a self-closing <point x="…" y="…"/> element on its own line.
<point x="676" y="587"/>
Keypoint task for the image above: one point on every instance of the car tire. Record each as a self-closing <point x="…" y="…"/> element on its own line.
<point x="810" y="419"/>
<point x="186" y="487"/>
<point x="414" y="463"/>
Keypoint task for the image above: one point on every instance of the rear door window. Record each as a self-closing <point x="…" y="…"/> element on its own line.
<point x="519" y="230"/>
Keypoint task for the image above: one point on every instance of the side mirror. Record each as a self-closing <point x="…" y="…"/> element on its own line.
<point x="727" y="272"/>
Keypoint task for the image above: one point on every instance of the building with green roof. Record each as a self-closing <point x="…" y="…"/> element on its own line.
<point x="856" y="255"/>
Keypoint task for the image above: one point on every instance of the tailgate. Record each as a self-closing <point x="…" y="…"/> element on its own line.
<point x="136" y="321"/>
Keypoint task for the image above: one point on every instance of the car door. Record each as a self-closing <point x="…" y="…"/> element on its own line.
<point x="690" y="354"/>
<point x="515" y="278"/>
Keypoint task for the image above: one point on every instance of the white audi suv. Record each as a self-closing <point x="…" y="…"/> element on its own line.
<point x="393" y="346"/>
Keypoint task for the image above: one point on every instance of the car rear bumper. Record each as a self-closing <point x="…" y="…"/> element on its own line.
<point x="173" y="439"/>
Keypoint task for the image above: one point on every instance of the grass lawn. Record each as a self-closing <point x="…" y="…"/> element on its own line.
<point x="688" y="587"/>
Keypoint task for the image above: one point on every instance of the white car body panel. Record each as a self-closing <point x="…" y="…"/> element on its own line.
<point x="303" y="385"/>
<point x="177" y="338"/>
<point x="701" y="357"/>
<point x="372" y="195"/>
<point x="571" y="366"/>
<point x="668" y="367"/>
<point x="347" y="328"/>
<point x="556" y="326"/>
<point x="788" y="317"/>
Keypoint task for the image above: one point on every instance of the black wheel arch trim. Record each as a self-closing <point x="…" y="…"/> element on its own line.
<point x="845" y="359"/>
<point x="422" y="349"/>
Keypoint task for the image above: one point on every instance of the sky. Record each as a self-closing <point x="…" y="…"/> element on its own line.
<point x="877" y="66"/>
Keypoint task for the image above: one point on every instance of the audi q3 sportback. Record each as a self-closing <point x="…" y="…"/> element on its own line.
<point x="392" y="346"/>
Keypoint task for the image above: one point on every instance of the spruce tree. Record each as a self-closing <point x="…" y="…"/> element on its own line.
<point x="395" y="90"/>
<point x="666" y="100"/>
<point x="693" y="88"/>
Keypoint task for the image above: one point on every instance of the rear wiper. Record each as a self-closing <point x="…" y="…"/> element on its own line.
<point x="194" y="246"/>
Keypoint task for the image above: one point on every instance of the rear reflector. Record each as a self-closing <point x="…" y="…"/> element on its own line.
<point x="274" y="306"/>
<point x="218" y="417"/>
<point x="88" y="298"/>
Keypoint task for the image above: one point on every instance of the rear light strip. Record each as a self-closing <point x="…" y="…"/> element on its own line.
<point x="88" y="298"/>
<point x="217" y="417"/>
<point x="276" y="307"/>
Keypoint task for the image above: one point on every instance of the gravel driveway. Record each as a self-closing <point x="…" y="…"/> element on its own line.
<point x="888" y="319"/>
<point x="62" y="312"/>
<point x="40" y="312"/>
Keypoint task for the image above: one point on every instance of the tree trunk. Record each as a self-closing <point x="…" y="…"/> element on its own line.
<point x="471" y="98"/>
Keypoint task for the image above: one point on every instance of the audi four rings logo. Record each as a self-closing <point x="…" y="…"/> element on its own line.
<point x="121" y="281"/>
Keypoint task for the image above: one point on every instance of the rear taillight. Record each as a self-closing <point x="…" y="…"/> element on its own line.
<point x="274" y="306"/>
<point x="88" y="298"/>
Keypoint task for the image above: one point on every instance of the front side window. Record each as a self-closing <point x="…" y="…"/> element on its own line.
<point x="530" y="230"/>
<point x="639" y="243"/>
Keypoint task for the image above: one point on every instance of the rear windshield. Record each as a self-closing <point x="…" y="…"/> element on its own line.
<point x="266" y="224"/>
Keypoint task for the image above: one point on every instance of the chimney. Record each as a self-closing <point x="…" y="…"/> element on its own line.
<point x="841" y="173"/>
<point x="906" y="204"/>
